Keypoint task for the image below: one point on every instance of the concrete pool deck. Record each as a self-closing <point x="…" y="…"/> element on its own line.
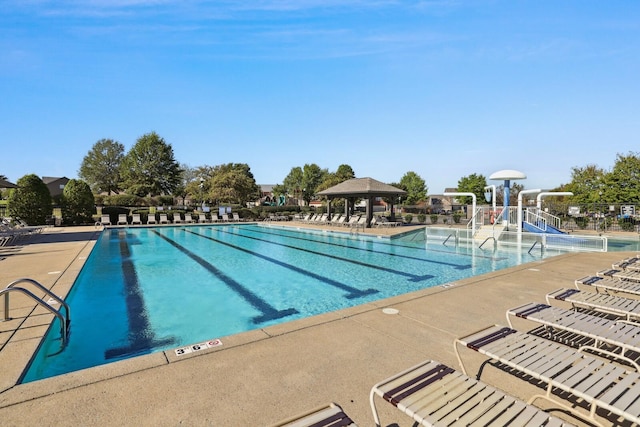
<point x="265" y="375"/>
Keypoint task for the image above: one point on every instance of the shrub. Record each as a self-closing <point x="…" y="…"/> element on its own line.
<point x="77" y="203"/>
<point x="31" y="201"/>
<point x="408" y="218"/>
<point x="626" y="224"/>
<point x="434" y="218"/>
<point x="422" y="218"/>
<point x="581" y="222"/>
<point x="456" y="217"/>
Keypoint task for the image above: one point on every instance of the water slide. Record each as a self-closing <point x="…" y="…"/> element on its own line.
<point x="532" y="228"/>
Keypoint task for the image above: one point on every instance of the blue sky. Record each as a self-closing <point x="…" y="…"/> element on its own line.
<point x="444" y="88"/>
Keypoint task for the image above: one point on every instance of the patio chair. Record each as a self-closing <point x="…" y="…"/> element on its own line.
<point x="619" y="306"/>
<point x="202" y="218"/>
<point x="188" y="218"/>
<point x="236" y="217"/>
<point x="570" y="326"/>
<point x="105" y="220"/>
<point x="177" y="218"/>
<point x="573" y="375"/>
<point x="433" y="394"/>
<point x="609" y="285"/>
<point x="330" y="415"/>
<point x="122" y="219"/>
<point x="632" y="264"/>
<point x="135" y="219"/>
<point x="214" y="217"/>
<point x="164" y="219"/>
<point x="152" y="219"/>
<point x="353" y="220"/>
<point x="225" y="218"/>
<point x="620" y="274"/>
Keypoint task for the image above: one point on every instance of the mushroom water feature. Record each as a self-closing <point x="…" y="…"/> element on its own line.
<point x="507" y="175"/>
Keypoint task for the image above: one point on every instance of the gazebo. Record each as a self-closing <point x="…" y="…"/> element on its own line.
<point x="360" y="188"/>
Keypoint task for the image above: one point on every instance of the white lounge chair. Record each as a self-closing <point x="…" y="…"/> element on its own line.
<point x="564" y="325"/>
<point x="610" y="285"/>
<point x="152" y="219"/>
<point x="597" y="382"/>
<point x="225" y="218"/>
<point x="122" y="219"/>
<point x="202" y="218"/>
<point x="632" y="264"/>
<point x="433" y="394"/>
<point x="619" y="306"/>
<point x="105" y="220"/>
<point x="135" y="219"/>
<point x="237" y="218"/>
<point x="177" y="218"/>
<point x="330" y="415"/>
<point x="633" y="276"/>
<point x="188" y="218"/>
<point x="164" y="219"/>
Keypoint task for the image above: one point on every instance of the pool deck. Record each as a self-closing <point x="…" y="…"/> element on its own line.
<point x="262" y="376"/>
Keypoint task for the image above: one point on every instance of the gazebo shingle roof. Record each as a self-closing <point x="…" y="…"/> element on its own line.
<point x="361" y="187"/>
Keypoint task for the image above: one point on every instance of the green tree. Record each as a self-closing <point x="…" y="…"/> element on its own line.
<point x="312" y="176"/>
<point x="100" y="168"/>
<point x="233" y="183"/>
<point x="31" y="201"/>
<point x="344" y="173"/>
<point x="587" y="184"/>
<point x="294" y="182"/>
<point x="149" y="168"/>
<point x="78" y="204"/>
<point x="622" y="184"/>
<point x="473" y="183"/>
<point x="415" y="187"/>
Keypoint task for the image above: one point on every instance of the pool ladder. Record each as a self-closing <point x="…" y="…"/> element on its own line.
<point x="65" y="320"/>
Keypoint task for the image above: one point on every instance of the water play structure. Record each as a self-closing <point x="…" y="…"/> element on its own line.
<point x="530" y="227"/>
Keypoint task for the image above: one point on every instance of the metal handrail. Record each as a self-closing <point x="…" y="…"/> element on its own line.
<point x="486" y="240"/>
<point x="64" y="326"/>
<point x="65" y="321"/>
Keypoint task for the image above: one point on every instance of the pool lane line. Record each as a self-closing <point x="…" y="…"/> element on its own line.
<point x="377" y="242"/>
<point x="268" y="312"/>
<point x="355" y="248"/>
<point x="352" y="292"/>
<point x="412" y="277"/>
<point x="141" y="335"/>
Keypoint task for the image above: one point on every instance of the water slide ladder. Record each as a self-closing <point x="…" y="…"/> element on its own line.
<point x="65" y="319"/>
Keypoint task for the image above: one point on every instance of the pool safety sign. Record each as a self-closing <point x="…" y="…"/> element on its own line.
<point x="197" y="347"/>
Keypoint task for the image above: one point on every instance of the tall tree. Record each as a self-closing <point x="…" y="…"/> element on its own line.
<point x="233" y="183"/>
<point x="622" y="184"/>
<point x="312" y="176"/>
<point x="294" y="182"/>
<point x="149" y="168"/>
<point x="587" y="184"/>
<point x="415" y="187"/>
<point x="100" y="168"/>
<point x="473" y="183"/>
<point x="31" y="201"/>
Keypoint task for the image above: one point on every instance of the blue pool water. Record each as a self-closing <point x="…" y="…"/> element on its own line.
<point x="144" y="290"/>
<point x="618" y="245"/>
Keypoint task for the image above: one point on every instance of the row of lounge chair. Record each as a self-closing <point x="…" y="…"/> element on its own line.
<point x="354" y="220"/>
<point x="585" y="355"/>
<point x="163" y="219"/>
<point x="15" y="230"/>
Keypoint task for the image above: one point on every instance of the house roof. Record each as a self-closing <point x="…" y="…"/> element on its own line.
<point x="6" y="184"/>
<point x="361" y="187"/>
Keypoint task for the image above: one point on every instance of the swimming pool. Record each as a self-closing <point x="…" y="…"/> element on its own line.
<point x="619" y="245"/>
<point x="146" y="289"/>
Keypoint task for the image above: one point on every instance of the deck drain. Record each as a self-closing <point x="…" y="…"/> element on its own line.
<point x="390" y="310"/>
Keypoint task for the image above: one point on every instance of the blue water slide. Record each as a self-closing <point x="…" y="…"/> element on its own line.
<point x="532" y="228"/>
